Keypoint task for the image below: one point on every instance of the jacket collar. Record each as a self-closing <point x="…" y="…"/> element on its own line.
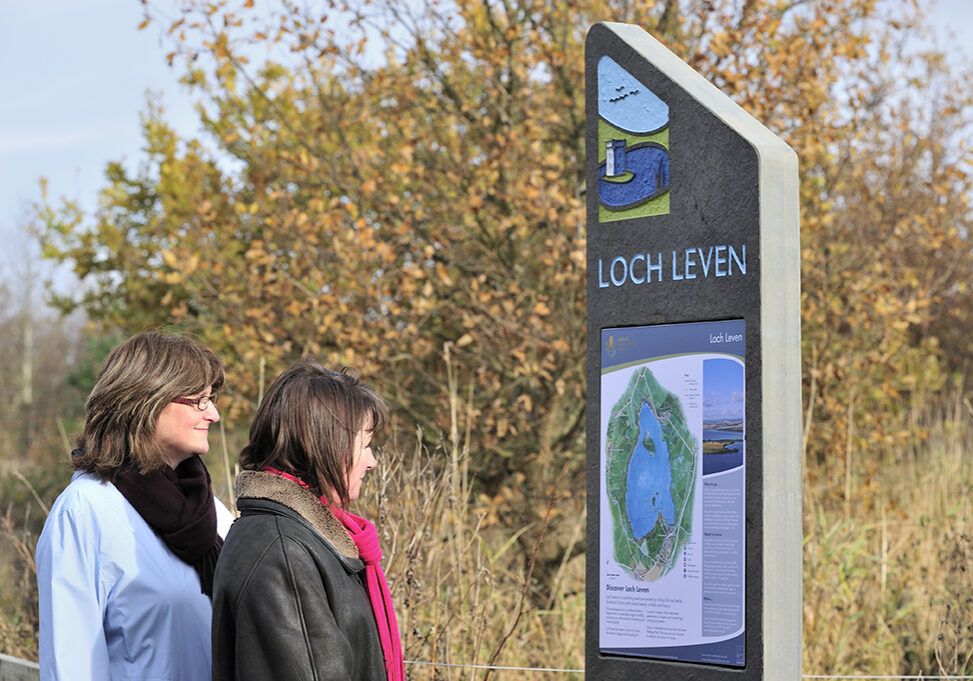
<point x="260" y="485"/>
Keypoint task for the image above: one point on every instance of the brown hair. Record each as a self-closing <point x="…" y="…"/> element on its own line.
<point x="138" y="379"/>
<point x="306" y="426"/>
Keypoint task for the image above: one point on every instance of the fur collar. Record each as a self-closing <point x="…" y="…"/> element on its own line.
<point x="261" y="485"/>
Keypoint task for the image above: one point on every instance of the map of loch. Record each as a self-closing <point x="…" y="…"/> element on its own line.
<point x="650" y="474"/>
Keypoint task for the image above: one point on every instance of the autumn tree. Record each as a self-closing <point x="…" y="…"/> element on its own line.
<point x="399" y="186"/>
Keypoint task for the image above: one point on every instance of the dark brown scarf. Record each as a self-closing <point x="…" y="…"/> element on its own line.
<point x="178" y="504"/>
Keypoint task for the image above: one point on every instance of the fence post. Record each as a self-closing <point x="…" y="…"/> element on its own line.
<point x="15" y="669"/>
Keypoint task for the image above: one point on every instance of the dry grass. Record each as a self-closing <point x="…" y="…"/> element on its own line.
<point x="21" y="518"/>
<point x="461" y="585"/>
<point x="888" y="583"/>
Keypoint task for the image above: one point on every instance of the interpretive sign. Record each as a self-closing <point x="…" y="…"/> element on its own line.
<point x="693" y="412"/>
<point x="672" y="503"/>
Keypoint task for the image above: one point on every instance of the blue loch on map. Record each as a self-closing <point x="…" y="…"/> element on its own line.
<point x="649" y="477"/>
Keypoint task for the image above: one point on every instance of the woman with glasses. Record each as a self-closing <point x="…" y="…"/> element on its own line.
<point x="299" y="590"/>
<point x="126" y="559"/>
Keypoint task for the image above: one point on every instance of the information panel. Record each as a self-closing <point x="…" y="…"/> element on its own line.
<point x="673" y="493"/>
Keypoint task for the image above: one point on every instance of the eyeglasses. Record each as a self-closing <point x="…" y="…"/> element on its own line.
<point x="201" y="403"/>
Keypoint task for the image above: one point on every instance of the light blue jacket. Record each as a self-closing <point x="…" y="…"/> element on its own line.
<point x="114" y="601"/>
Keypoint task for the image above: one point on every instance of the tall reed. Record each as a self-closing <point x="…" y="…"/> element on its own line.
<point x="462" y="593"/>
<point x="26" y="491"/>
<point x="888" y="585"/>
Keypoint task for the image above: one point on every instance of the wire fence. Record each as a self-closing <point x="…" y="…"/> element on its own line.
<point x="891" y="677"/>
<point x="15" y="669"/>
<point x="918" y="677"/>
<point x="496" y="668"/>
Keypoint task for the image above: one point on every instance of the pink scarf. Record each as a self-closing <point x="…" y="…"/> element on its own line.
<point x="365" y="537"/>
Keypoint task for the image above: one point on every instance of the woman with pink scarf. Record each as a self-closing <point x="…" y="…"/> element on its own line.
<point x="299" y="591"/>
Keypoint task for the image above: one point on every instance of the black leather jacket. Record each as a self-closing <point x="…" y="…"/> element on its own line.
<point x="289" y="601"/>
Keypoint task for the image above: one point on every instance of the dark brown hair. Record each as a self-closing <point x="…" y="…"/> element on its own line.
<point x="306" y="426"/>
<point x="137" y="380"/>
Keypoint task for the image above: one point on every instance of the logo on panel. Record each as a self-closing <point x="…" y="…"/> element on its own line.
<point x="633" y="146"/>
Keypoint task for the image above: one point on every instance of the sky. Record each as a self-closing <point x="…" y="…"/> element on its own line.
<point x="74" y="76"/>
<point x="722" y="389"/>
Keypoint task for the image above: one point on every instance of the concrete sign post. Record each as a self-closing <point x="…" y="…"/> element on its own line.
<point x="694" y="376"/>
